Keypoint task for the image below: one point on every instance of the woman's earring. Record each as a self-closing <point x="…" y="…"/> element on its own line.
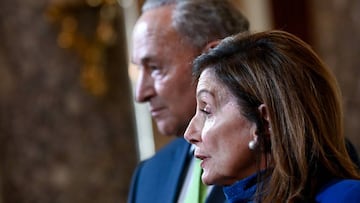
<point x="253" y="144"/>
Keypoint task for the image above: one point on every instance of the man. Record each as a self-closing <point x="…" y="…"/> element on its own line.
<point x="166" y="38"/>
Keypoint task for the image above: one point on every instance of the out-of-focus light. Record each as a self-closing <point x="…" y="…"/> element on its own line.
<point x="93" y="3"/>
<point x="65" y="39"/>
<point x="69" y="24"/>
<point x="106" y="33"/>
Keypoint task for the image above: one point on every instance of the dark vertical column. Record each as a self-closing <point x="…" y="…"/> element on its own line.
<point x="292" y="16"/>
<point x="333" y="29"/>
<point x="66" y="118"/>
<point x="337" y="38"/>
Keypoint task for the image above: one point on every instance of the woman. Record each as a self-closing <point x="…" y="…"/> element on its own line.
<point x="268" y="123"/>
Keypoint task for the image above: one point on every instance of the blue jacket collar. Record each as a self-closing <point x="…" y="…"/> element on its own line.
<point x="242" y="191"/>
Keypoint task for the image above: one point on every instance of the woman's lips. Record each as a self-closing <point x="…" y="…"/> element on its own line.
<point x="203" y="158"/>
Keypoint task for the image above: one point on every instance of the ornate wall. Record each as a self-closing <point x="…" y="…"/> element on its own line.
<point x="336" y="34"/>
<point x="66" y="119"/>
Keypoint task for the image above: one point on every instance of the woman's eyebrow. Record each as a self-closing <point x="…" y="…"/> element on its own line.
<point x="204" y="91"/>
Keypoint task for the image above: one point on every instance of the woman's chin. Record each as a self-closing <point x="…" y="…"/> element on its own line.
<point x="206" y="178"/>
<point x="210" y="179"/>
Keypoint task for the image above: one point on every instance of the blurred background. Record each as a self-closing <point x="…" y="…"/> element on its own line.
<point x="69" y="128"/>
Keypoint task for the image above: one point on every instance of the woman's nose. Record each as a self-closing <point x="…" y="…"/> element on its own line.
<point x="192" y="134"/>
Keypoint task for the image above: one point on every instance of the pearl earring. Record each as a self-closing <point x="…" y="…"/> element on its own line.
<point x="253" y="144"/>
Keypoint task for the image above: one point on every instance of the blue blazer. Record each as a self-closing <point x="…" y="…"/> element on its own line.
<point x="159" y="179"/>
<point x="338" y="191"/>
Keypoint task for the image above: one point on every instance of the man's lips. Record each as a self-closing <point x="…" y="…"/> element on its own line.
<point x="155" y="112"/>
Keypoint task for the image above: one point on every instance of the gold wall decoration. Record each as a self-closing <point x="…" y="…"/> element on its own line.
<point x="87" y="27"/>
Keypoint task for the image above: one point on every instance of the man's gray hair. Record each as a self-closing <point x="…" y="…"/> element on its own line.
<point x="203" y="21"/>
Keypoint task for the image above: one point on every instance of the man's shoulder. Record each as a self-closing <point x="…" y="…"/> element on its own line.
<point x="171" y="157"/>
<point x="176" y="146"/>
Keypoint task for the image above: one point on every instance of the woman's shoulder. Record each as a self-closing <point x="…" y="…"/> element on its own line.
<point x="340" y="190"/>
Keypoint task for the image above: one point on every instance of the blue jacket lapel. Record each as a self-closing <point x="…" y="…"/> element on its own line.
<point x="177" y="171"/>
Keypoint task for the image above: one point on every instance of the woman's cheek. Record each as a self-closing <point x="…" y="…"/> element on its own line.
<point x="208" y="127"/>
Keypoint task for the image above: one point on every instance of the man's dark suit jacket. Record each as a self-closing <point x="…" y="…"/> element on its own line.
<point x="159" y="179"/>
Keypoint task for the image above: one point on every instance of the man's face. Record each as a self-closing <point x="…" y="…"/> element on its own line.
<point x="164" y="63"/>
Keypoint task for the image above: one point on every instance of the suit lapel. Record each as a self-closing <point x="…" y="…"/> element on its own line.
<point x="178" y="169"/>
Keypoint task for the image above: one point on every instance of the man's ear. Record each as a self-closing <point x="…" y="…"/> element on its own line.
<point x="210" y="45"/>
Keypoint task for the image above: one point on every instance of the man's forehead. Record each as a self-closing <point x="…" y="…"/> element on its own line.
<point x="149" y="41"/>
<point x="156" y="21"/>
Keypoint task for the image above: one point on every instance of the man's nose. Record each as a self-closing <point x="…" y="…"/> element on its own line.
<point x="144" y="88"/>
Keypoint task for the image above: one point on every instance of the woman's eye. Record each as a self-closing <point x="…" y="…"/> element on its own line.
<point x="205" y="110"/>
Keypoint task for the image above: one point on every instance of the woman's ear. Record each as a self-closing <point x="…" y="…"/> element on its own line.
<point x="266" y="128"/>
<point x="210" y="45"/>
<point x="264" y="113"/>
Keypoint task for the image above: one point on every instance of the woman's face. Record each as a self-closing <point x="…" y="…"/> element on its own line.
<point x="221" y="133"/>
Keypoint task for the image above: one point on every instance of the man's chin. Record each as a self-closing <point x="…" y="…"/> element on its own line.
<point x="165" y="129"/>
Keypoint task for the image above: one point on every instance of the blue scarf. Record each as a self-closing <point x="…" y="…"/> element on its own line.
<point x="242" y="191"/>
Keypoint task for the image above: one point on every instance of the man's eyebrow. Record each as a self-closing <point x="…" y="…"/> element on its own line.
<point x="145" y="59"/>
<point x="142" y="61"/>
